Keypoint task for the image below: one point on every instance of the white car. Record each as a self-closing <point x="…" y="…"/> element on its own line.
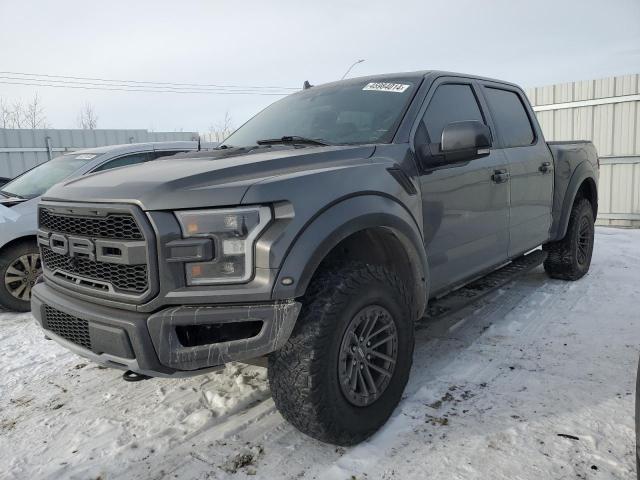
<point x="19" y="255"/>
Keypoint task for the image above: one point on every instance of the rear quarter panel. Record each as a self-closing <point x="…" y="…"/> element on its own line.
<point x="575" y="162"/>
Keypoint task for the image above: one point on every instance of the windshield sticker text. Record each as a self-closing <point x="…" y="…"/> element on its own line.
<point x="386" y="87"/>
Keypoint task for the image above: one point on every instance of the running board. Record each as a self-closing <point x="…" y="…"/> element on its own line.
<point x="460" y="298"/>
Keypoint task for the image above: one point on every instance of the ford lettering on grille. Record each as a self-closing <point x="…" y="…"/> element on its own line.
<point x="74" y="255"/>
<point x="110" y="251"/>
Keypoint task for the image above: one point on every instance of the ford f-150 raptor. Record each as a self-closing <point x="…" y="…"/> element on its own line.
<point x="314" y="237"/>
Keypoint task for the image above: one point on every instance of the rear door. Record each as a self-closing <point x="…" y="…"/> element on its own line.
<point x="530" y="167"/>
<point x="465" y="212"/>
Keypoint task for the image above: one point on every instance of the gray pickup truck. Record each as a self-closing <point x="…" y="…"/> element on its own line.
<point x="313" y="238"/>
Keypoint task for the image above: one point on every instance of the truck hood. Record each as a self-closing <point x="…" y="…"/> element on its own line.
<point x="220" y="179"/>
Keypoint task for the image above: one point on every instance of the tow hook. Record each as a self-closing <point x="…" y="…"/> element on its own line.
<point x="130" y="376"/>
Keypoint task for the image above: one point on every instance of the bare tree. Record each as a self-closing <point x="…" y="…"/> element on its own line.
<point x="87" y="118"/>
<point x="33" y="114"/>
<point x="221" y="130"/>
<point x="5" y="114"/>
<point x="17" y="115"/>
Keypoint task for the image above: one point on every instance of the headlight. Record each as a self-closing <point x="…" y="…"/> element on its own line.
<point x="233" y="232"/>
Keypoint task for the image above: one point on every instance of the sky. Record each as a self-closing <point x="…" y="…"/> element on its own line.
<point x="284" y="43"/>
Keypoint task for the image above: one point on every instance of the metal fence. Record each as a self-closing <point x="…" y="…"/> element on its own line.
<point x="22" y="149"/>
<point x="607" y="112"/>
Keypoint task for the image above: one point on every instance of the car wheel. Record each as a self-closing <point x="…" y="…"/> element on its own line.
<point x="344" y="368"/>
<point x="20" y="267"/>
<point x="570" y="258"/>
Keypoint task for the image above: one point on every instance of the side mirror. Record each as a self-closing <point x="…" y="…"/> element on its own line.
<point x="467" y="136"/>
<point x="460" y="142"/>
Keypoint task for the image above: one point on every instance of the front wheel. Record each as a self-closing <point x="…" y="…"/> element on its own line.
<point x="344" y="368"/>
<point x="20" y="267"/>
<point x="570" y="258"/>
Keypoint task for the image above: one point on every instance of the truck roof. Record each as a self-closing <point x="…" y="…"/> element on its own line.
<point x="417" y="75"/>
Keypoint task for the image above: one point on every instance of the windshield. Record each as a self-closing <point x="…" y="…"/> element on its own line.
<point x="38" y="180"/>
<point x="351" y="113"/>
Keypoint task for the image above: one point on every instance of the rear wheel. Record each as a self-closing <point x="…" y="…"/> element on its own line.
<point x="343" y="370"/>
<point x="20" y="267"/>
<point x="570" y="258"/>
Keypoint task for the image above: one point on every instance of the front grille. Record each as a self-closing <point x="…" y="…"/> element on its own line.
<point x="70" y="328"/>
<point x="127" y="278"/>
<point x="113" y="226"/>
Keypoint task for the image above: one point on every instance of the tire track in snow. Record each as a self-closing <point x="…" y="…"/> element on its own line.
<point x="529" y="313"/>
<point x="158" y="429"/>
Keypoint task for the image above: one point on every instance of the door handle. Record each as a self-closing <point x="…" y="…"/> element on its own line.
<point x="500" y="176"/>
<point x="545" y="167"/>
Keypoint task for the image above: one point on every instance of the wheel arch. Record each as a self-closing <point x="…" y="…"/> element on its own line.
<point x="17" y="241"/>
<point x="589" y="190"/>
<point x="372" y="228"/>
<point x="583" y="183"/>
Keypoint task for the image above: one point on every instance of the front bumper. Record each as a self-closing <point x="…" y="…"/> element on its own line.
<point x="149" y="343"/>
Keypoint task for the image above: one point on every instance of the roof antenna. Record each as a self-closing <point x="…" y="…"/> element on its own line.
<point x="306" y="85"/>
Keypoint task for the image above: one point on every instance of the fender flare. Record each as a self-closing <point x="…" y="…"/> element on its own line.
<point x="342" y="219"/>
<point x="584" y="171"/>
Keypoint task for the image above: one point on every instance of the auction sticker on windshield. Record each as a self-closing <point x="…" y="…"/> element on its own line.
<point x="386" y="87"/>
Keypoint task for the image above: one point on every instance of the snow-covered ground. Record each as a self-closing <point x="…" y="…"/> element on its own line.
<point x="492" y="389"/>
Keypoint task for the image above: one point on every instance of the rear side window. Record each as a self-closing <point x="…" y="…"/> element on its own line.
<point x="123" y="161"/>
<point x="450" y="103"/>
<point x="167" y="153"/>
<point x="511" y="117"/>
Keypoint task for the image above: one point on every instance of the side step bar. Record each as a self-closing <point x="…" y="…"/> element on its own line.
<point x="460" y="298"/>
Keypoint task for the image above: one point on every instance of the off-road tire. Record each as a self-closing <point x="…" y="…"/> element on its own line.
<point x="8" y="257"/>
<point x="303" y="374"/>
<point x="565" y="260"/>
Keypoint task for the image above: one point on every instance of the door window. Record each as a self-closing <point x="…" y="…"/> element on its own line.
<point x="450" y="103"/>
<point x="123" y="161"/>
<point x="510" y="117"/>
<point x="167" y="153"/>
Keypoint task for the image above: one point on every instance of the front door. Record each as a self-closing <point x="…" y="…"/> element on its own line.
<point x="465" y="204"/>
<point x="530" y="168"/>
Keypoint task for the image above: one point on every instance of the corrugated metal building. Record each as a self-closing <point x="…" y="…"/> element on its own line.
<point x="22" y="149"/>
<point x="607" y="112"/>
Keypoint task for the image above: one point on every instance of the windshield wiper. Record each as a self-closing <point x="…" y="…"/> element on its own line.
<point x="292" y="139"/>
<point x="11" y="195"/>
